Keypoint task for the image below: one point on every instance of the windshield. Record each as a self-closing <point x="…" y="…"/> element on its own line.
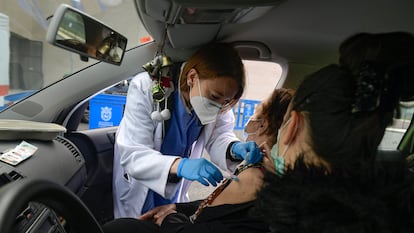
<point x="28" y="63"/>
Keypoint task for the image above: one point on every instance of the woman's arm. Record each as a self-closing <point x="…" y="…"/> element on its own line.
<point x="180" y="223"/>
<point x="225" y="218"/>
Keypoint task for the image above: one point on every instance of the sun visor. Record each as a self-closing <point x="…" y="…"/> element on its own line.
<point x="195" y="22"/>
<point x="204" y="11"/>
<point x="191" y="35"/>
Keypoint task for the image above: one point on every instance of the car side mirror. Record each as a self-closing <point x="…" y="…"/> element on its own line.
<point x="78" y="32"/>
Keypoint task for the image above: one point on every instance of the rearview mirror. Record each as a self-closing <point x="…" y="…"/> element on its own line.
<point x="78" y="32"/>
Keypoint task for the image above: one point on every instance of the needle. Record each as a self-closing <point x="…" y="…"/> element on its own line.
<point x="234" y="177"/>
<point x="231" y="176"/>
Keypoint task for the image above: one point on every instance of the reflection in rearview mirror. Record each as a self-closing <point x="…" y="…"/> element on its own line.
<point x="75" y="31"/>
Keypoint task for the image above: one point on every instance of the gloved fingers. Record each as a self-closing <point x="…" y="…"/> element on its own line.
<point x="215" y="172"/>
<point x="212" y="174"/>
<point x="254" y="155"/>
<point x="211" y="180"/>
<point x="202" y="181"/>
<point x="255" y="158"/>
<point x="244" y="148"/>
<point x="201" y="170"/>
<point x="252" y="147"/>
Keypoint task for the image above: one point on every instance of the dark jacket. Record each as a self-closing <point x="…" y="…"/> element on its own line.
<point x="380" y="199"/>
<point x="219" y="219"/>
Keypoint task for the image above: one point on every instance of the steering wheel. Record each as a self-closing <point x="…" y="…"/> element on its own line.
<point x="15" y="196"/>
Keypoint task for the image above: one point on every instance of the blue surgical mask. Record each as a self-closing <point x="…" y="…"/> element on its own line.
<point x="279" y="159"/>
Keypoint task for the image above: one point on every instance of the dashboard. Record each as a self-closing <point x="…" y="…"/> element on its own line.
<point x="57" y="160"/>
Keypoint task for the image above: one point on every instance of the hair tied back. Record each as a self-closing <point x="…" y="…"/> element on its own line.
<point x="369" y="88"/>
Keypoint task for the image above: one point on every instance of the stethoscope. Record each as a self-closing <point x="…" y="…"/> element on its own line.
<point x="159" y="71"/>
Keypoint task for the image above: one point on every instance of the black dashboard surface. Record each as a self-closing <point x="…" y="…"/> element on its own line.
<point x="57" y="160"/>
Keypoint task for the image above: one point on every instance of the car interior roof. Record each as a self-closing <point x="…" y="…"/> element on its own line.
<point x="300" y="32"/>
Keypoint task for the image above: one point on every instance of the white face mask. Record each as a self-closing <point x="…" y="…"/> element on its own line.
<point x="206" y="109"/>
<point x="254" y="125"/>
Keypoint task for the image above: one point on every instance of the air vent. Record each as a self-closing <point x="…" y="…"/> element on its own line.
<point x="9" y="177"/>
<point x="71" y="147"/>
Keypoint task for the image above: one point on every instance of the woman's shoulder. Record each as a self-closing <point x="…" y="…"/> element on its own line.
<point x="243" y="189"/>
<point x="382" y="199"/>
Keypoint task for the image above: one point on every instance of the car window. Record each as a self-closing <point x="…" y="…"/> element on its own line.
<point x="261" y="78"/>
<point x="395" y="132"/>
<point x="106" y="108"/>
<point x="28" y="63"/>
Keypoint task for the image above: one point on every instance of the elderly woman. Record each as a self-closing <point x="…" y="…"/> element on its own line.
<point x="227" y="208"/>
<point x="328" y="178"/>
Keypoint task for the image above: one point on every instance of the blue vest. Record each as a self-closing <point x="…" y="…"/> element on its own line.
<point x="182" y="130"/>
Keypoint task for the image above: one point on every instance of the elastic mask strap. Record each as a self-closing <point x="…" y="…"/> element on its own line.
<point x="294" y="132"/>
<point x="199" y="86"/>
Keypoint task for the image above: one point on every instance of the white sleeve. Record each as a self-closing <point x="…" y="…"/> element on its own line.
<point x="222" y="136"/>
<point x="135" y="139"/>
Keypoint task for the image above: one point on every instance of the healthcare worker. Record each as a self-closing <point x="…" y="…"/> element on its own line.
<point x="158" y="149"/>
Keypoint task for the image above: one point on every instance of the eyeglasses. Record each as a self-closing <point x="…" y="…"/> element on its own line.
<point x="252" y="126"/>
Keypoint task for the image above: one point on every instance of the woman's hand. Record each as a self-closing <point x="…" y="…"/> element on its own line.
<point x="158" y="213"/>
<point x="161" y="217"/>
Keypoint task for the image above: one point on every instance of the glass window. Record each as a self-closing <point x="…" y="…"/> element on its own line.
<point x="28" y="62"/>
<point x="258" y="87"/>
<point x="261" y="78"/>
<point x="395" y="132"/>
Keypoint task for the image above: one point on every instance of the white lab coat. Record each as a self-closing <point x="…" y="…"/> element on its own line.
<point x="138" y="141"/>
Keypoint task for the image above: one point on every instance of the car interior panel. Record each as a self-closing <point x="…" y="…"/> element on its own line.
<point x="97" y="148"/>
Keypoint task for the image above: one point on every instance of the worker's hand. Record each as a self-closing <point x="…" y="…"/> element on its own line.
<point x="248" y="151"/>
<point x="199" y="169"/>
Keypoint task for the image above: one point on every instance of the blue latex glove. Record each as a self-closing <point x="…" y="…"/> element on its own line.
<point x="251" y="150"/>
<point x="200" y="170"/>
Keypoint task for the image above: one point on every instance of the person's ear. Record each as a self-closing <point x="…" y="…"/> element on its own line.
<point x="292" y="127"/>
<point x="191" y="75"/>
